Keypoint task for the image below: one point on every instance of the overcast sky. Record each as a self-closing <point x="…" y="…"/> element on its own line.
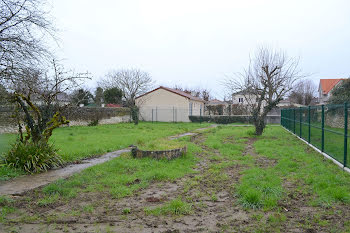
<point x="195" y="43"/>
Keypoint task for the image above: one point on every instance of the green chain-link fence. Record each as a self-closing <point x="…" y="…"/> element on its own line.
<point x="324" y="126"/>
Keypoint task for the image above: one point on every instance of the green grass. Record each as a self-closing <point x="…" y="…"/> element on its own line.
<point x="306" y="168"/>
<point x="123" y="176"/>
<point x="81" y="142"/>
<point x="175" y="207"/>
<point x="281" y="166"/>
<point x="262" y="187"/>
<point x="333" y="141"/>
<point x="5" y="142"/>
<point x="78" y="142"/>
<point x="159" y="144"/>
<point x="259" y="188"/>
<point x="7" y="173"/>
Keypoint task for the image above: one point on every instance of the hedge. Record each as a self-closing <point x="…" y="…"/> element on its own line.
<point x="221" y="119"/>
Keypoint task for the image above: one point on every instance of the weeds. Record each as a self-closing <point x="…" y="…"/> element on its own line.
<point x="126" y="211"/>
<point x="174" y="207"/>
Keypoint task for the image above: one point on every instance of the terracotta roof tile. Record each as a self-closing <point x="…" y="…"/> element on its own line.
<point x="328" y="84"/>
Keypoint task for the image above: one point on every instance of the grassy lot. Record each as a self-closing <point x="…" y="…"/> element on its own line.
<point x="229" y="181"/>
<point x="78" y="142"/>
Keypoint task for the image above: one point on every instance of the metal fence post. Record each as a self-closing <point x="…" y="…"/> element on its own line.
<point x="156" y="114"/>
<point x="345" y="133"/>
<point x="300" y="119"/>
<point x="309" y="120"/>
<point x="294" y="120"/>
<point x="176" y="115"/>
<point x="282" y="117"/>
<point x="322" y="139"/>
<point x="152" y="115"/>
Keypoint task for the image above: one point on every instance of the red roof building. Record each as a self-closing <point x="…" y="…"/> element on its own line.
<point x="325" y="88"/>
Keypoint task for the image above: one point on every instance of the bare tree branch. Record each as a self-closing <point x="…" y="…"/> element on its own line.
<point x="133" y="82"/>
<point x="23" y="27"/>
<point x="271" y="74"/>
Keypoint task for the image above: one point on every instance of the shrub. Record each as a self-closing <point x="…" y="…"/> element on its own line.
<point x="32" y="157"/>
<point x="93" y="123"/>
<point x="221" y="119"/>
<point x="135" y="114"/>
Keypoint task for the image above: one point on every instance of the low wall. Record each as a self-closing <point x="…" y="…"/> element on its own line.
<point x="75" y="115"/>
<point x="336" y="121"/>
<point x="160" y="154"/>
<point x="273" y="119"/>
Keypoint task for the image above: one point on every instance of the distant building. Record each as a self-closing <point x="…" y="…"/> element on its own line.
<point x="325" y="89"/>
<point x="61" y="99"/>
<point x="167" y="104"/>
<point x="212" y="107"/>
<point x="243" y="97"/>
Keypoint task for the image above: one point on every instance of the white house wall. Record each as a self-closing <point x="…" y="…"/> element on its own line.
<point x="166" y="106"/>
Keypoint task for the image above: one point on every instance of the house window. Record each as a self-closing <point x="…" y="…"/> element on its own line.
<point x="240" y="100"/>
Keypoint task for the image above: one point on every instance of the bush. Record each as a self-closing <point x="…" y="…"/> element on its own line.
<point x="93" y="123"/>
<point x="221" y="119"/>
<point x="32" y="157"/>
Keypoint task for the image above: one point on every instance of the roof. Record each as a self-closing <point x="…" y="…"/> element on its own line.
<point x="328" y="84"/>
<point x="178" y="92"/>
<point x="216" y="101"/>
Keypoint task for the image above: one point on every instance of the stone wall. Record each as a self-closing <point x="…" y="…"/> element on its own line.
<point x="160" y="154"/>
<point x="76" y="116"/>
<point x="336" y="121"/>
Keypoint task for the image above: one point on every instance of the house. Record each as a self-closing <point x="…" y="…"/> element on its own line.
<point x="243" y="98"/>
<point x="167" y="104"/>
<point x="216" y="107"/>
<point x="325" y="89"/>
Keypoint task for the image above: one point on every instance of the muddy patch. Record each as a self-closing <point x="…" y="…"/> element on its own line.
<point x="249" y="149"/>
<point x="265" y="162"/>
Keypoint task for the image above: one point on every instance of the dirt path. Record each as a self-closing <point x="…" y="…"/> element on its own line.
<point x="22" y="184"/>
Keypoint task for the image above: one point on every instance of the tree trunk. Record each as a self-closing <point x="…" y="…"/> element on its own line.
<point x="259" y="126"/>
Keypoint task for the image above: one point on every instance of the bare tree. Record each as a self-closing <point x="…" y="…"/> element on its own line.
<point x="23" y="27"/>
<point x="270" y="75"/>
<point x="36" y="93"/>
<point x="203" y="93"/>
<point x="303" y="92"/>
<point x="132" y="82"/>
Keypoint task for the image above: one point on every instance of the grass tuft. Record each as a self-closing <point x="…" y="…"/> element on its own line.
<point x="175" y="207"/>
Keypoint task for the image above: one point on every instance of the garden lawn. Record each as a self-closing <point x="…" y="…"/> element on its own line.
<point x="79" y="142"/>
